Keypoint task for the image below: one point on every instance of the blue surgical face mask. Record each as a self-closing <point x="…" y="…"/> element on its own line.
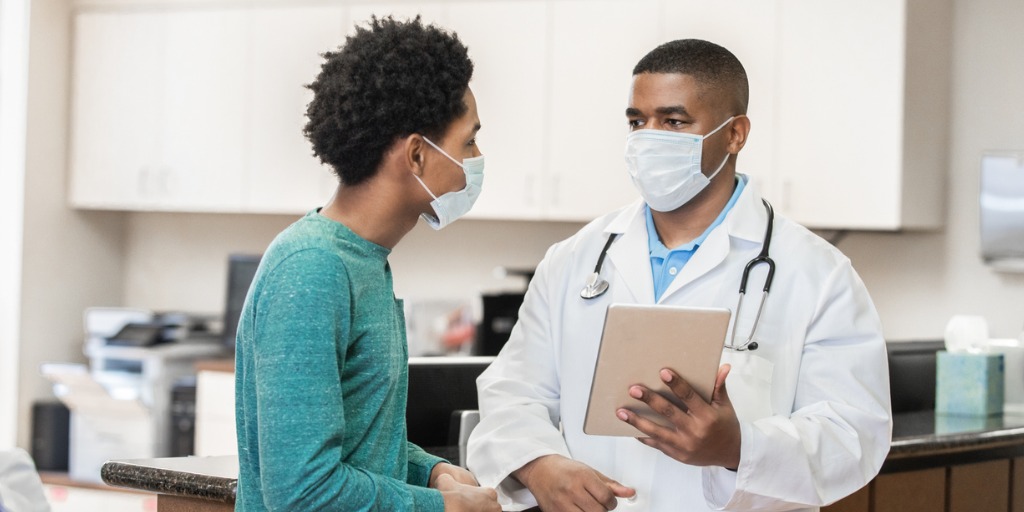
<point x="449" y="207"/>
<point x="666" y="166"/>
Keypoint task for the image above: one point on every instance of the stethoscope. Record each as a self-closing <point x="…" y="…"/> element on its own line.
<point x="597" y="285"/>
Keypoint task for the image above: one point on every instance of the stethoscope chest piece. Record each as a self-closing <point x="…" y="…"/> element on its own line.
<point x="595" y="287"/>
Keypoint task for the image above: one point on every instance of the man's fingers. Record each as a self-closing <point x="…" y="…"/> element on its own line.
<point x="620" y="490"/>
<point x="642" y="424"/>
<point x="602" y="493"/>
<point x="657" y="403"/>
<point x="682" y="389"/>
<point x="721" y="395"/>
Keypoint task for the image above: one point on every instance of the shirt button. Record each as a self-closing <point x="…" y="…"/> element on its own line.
<point x="672" y="271"/>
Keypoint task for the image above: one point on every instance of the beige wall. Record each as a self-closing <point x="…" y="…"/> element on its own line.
<point x="71" y="259"/>
<point x="176" y="261"/>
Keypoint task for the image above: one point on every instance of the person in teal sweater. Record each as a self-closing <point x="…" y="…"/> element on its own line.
<point x="321" y="355"/>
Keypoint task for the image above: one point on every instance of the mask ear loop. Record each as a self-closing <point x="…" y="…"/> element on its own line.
<point x="443" y="152"/>
<point x="727" y="155"/>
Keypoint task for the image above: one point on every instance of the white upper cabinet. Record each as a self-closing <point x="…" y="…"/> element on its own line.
<point x="198" y="110"/>
<point x="283" y="175"/>
<point x="157" y="118"/>
<point x="507" y="42"/>
<point x="594" y="47"/>
<point x="748" y="29"/>
<point x="115" y="151"/>
<point x="202" y="125"/>
<point x="863" y="110"/>
<point x="202" y="108"/>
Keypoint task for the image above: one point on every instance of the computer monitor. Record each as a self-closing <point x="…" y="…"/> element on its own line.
<point x="439" y="386"/>
<point x="241" y="270"/>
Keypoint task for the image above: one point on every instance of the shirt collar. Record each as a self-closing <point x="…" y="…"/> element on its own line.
<point x="658" y="249"/>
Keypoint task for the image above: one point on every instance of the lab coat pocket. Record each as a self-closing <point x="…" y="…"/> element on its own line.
<point x="749" y="384"/>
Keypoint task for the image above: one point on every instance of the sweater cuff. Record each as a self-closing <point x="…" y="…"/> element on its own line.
<point x="420" y="466"/>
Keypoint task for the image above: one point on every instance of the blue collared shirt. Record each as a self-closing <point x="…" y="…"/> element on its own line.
<point x="666" y="263"/>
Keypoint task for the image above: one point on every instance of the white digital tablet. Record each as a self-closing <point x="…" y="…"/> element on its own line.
<point x="636" y="343"/>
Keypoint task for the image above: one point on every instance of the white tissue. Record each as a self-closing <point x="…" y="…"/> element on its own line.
<point x="966" y="334"/>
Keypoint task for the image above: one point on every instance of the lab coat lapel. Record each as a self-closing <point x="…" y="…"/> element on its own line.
<point x="630" y="255"/>
<point x="746" y="220"/>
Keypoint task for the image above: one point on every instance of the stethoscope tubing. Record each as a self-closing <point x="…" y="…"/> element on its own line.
<point x="597" y="286"/>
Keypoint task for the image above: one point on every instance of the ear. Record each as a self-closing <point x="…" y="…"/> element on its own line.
<point x="413" y="150"/>
<point x="738" y="131"/>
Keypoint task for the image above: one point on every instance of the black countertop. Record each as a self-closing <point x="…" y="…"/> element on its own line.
<point x="208" y="478"/>
<point x="917" y="436"/>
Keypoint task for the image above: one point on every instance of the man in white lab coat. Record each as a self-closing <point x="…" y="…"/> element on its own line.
<point x="799" y="418"/>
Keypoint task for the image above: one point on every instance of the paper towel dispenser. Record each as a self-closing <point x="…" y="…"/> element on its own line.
<point x="1002" y="210"/>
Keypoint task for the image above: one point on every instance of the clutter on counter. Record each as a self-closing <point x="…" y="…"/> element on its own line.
<point x="121" y="402"/>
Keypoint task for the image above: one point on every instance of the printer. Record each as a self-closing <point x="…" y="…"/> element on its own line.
<point x="121" y="402"/>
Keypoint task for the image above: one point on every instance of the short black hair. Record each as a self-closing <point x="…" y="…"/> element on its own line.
<point x="389" y="80"/>
<point x="710" y="64"/>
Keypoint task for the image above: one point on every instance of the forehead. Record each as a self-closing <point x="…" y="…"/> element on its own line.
<point x="650" y="91"/>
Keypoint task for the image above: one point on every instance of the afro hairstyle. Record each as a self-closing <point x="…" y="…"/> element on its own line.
<point x="389" y="80"/>
<point x="711" y="65"/>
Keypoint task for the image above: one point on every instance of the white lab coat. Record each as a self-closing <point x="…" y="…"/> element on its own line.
<point x="812" y="400"/>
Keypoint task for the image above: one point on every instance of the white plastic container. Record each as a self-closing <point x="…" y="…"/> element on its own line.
<point x="1013" y="358"/>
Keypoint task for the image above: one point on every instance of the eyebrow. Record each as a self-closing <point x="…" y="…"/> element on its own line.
<point x="676" y="109"/>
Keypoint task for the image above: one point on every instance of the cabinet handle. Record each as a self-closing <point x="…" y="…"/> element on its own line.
<point x="556" y="186"/>
<point x="142" y="185"/>
<point x="787" y="194"/>
<point x="165" y="181"/>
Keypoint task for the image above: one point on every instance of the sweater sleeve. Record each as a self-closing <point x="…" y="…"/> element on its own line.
<point x="303" y="309"/>
<point x="421" y="464"/>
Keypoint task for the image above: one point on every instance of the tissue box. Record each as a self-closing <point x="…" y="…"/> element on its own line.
<point x="969" y="384"/>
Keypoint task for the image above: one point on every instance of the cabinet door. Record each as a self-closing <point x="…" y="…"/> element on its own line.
<point x="204" y="103"/>
<point x="507" y="41"/>
<point x="841" y="87"/>
<point x="116" y="109"/>
<point x="979" y="486"/>
<point x="747" y="28"/>
<point x="594" y="47"/>
<point x="283" y="174"/>
<point x="910" y="491"/>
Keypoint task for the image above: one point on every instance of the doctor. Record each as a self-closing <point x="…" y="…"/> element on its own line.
<point x="797" y="421"/>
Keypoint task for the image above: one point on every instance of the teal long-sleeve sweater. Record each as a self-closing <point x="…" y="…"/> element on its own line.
<point x="321" y="379"/>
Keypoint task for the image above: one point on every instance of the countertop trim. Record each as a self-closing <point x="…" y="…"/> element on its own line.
<point x="170" y="481"/>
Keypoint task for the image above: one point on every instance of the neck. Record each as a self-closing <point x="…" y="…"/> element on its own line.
<point x="689" y="221"/>
<point x="372" y="213"/>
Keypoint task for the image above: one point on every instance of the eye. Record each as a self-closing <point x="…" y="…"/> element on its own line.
<point x="472" y="142"/>
<point x="675" y="123"/>
<point x="634" y="123"/>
